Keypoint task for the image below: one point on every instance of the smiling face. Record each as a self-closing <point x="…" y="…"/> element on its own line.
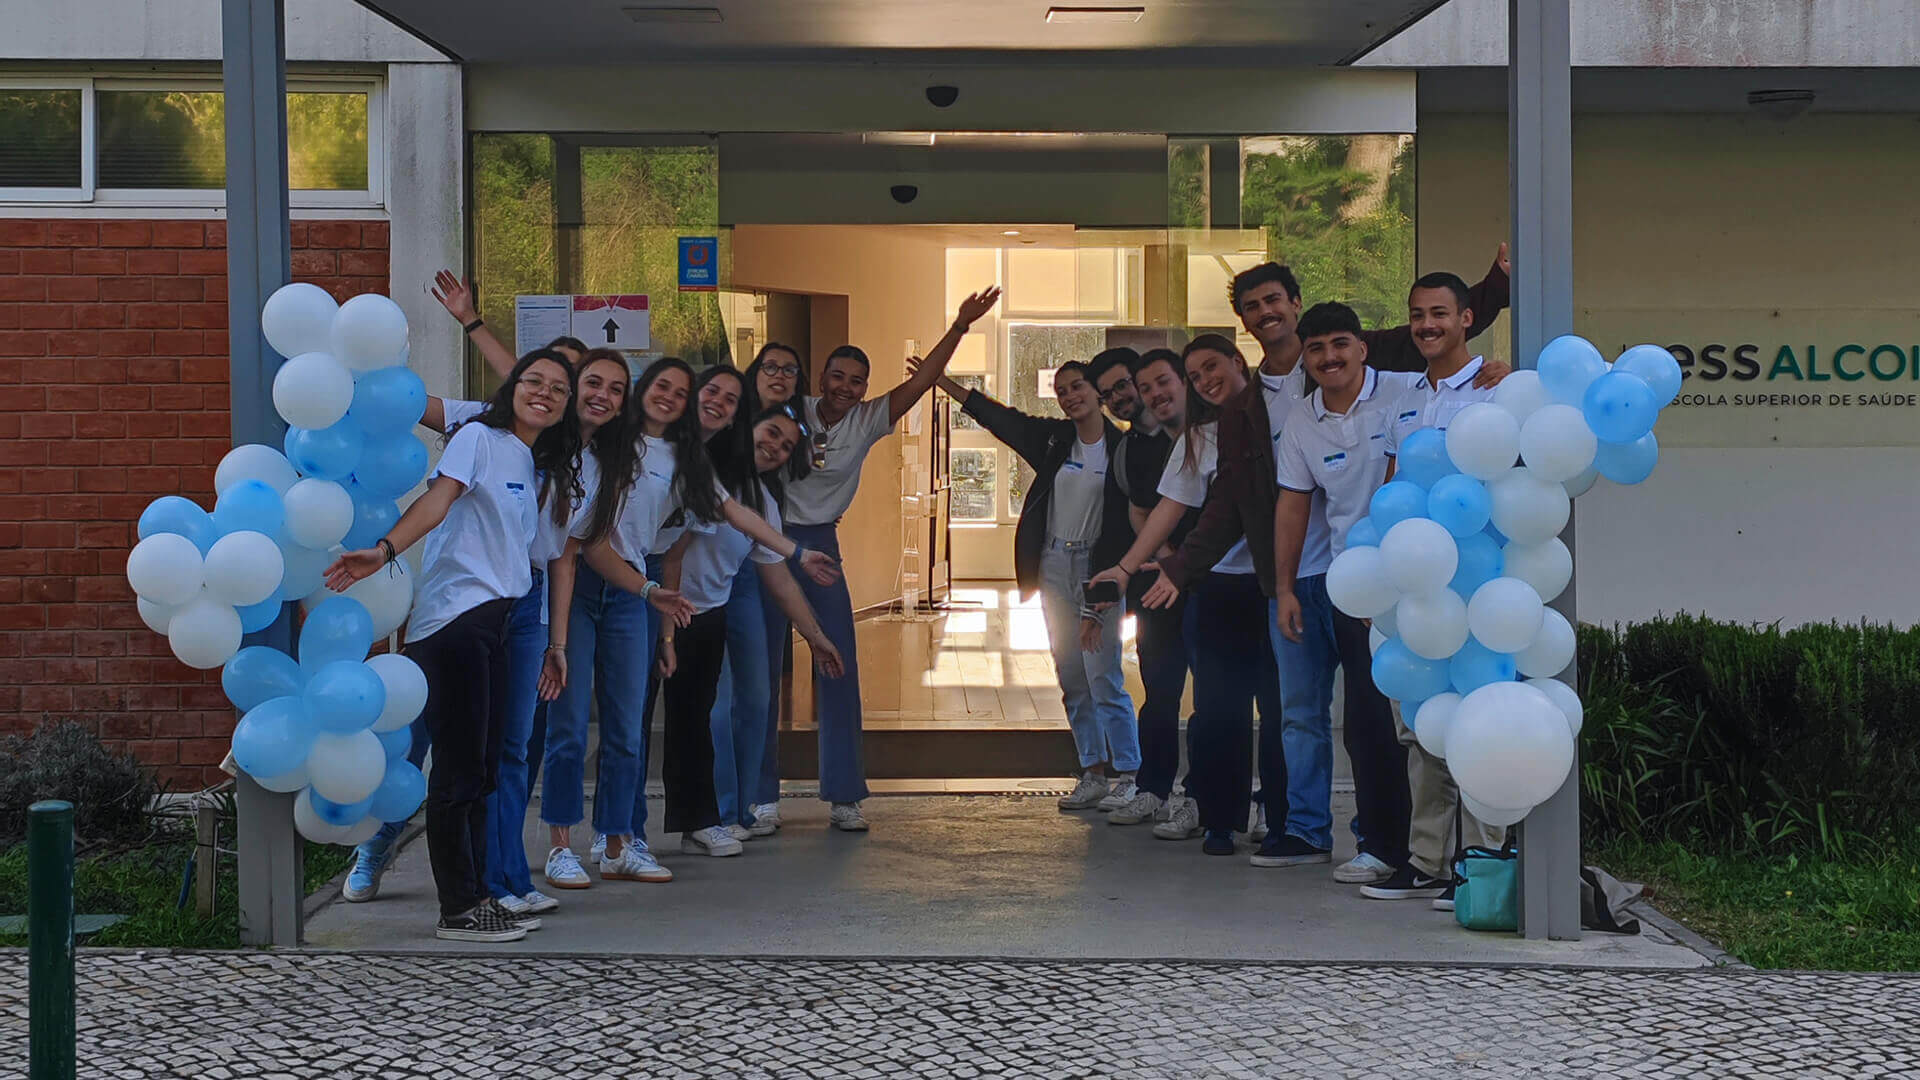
<point x="1337" y="361"/>
<point x="602" y="394"/>
<point x="1438" y="322"/>
<point x="1117" y="392"/>
<point x="779" y="374"/>
<point x="1161" y="388"/>
<point x="773" y="441"/>
<point x="665" y="399"/>
<point x="1268" y="313"/>
<point x="1076" y="395"/>
<point x="1216" y="376"/>
<point x="844" y="384"/>
<point x="540" y="395"/>
<point x="719" y="403"/>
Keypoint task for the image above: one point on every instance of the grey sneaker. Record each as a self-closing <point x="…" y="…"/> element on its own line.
<point x="1183" y="821"/>
<point x="1087" y="793"/>
<point x="713" y="840"/>
<point x="740" y="833"/>
<point x="766" y="819"/>
<point x="1119" y="793"/>
<point x="1362" y="869"/>
<point x="564" y="870"/>
<point x="635" y="863"/>
<point x="1144" y="806"/>
<point x="1259" y="830"/>
<point x="846" y="817"/>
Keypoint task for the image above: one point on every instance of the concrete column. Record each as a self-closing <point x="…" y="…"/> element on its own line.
<point x="426" y="202"/>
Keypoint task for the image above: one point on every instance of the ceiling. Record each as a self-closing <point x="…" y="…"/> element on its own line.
<point x="1290" y="33"/>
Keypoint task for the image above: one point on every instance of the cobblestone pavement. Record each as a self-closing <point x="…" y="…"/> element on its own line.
<point x="218" y="1015"/>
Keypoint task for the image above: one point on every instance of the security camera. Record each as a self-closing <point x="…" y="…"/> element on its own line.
<point x="905" y="193"/>
<point x="942" y="96"/>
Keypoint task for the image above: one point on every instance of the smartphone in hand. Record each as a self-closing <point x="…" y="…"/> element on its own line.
<point x="1102" y="592"/>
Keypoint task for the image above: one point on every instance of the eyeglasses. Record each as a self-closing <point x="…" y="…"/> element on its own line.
<point x="1109" y="393"/>
<point x="789" y="370"/>
<point x="559" y="391"/>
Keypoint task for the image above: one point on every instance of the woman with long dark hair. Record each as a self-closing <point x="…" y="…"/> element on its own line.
<point x="479" y="516"/>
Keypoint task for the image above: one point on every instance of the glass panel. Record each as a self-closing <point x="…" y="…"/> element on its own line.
<point x="968" y="269"/>
<point x="972" y="355"/>
<point x="961" y="421"/>
<point x="514" y="243"/>
<point x="327" y="142"/>
<point x="636" y="202"/>
<point x="973" y="473"/>
<point x="1034" y="350"/>
<point x="1041" y="281"/>
<point x="40" y="138"/>
<point x="161" y="138"/>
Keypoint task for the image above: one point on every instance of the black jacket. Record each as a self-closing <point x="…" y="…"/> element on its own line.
<point x="1045" y="443"/>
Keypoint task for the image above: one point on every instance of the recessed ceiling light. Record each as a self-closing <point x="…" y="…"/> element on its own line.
<point x="1105" y="14"/>
<point x="673" y="14"/>
<point x="897" y="138"/>
<point x="1011" y="232"/>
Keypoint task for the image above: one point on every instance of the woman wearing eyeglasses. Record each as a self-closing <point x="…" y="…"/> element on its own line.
<point x="845" y="427"/>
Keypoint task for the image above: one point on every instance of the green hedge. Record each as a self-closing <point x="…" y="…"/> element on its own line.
<point x="1750" y="738"/>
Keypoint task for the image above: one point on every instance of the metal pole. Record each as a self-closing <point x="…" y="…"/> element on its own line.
<point x="1540" y="164"/>
<point x="50" y="940"/>
<point x="254" y="60"/>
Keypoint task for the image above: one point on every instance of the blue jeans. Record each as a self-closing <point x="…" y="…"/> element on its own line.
<point x="778" y="636"/>
<point x="1092" y="684"/>
<point x="1306" y="711"/>
<point x="740" y="701"/>
<point x="507" y="871"/>
<point x="610" y="636"/>
<point x="836" y="702"/>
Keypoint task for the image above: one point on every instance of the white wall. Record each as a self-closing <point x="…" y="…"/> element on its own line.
<point x="338" y="31"/>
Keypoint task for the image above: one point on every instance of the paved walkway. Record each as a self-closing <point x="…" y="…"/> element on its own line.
<point x="217" y="1015"/>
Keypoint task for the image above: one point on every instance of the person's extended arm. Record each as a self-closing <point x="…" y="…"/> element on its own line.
<point x="671" y="565"/>
<point x="1392" y="349"/>
<point x="1290" y="516"/>
<point x="457" y="297"/>
<point x="560" y="574"/>
<point x="422" y="517"/>
<point x="926" y="373"/>
<point x="622" y="575"/>
<point x="786" y="593"/>
<point x="1159" y="525"/>
<point x="819" y="565"/>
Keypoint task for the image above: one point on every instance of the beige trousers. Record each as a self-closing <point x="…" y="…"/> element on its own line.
<point x="1435" y="801"/>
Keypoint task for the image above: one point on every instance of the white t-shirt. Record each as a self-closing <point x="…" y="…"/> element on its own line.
<point x="715" y="555"/>
<point x="1079" y="492"/>
<point x="1341" y="458"/>
<point x="455" y="412"/>
<point x="479" y="553"/>
<point x="650" y="501"/>
<point x="1188" y="487"/>
<point x="1426" y="405"/>
<point x="820" y="497"/>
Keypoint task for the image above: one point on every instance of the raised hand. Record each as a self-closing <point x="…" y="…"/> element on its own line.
<point x="973" y="307"/>
<point x="455" y="295"/>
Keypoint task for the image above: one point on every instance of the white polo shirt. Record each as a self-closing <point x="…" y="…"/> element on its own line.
<point x="1189" y="486"/>
<point x="1341" y="458"/>
<point x="480" y="551"/>
<point x="1079" y="492"/>
<point x="714" y="556"/>
<point x="454" y="412"/>
<point x="820" y="497"/>
<point x="1426" y="405"/>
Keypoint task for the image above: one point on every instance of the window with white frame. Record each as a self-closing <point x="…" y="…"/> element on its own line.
<point x="162" y="142"/>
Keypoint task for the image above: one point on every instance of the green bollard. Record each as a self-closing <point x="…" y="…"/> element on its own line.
<point x="50" y="939"/>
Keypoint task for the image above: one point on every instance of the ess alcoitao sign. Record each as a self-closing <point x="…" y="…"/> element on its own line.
<point x="1788" y="373"/>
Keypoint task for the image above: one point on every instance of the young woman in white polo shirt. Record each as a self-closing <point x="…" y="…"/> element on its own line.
<point x="479" y="516"/>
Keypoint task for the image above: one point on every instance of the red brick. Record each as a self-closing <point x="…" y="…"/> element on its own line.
<point x="216" y="234"/>
<point x="216" y="288"/>
<point x="72" y="343"/>
<point x="102" y="480"/>
<point x="124" y="726"/>
<point x="155" y="697"/>
<point x="153" y="316"/>
<point x="178" y="289"/>
<point x="126" y="343"/>
<point x="125" y="671"/>
<point x="73" y="398"/>
<point x="203" y="751"/>
<point x="73" y="289"/>
<point x="46" y="426"/>
<point x="210" y="697"/>
<point x="174" y="725"/>
<point x="46" y="698"/>
<point x="296" y="234"/>
<point x="176" y="452"/>
<point x="126" y="397"/>
<point x="175" y="398"/>
<point x="71" y="508"/>
<point x="126" y="233"/>
<point x="367" y="263"/>
<point x="47" y="643"/>
<point x="202" y="316"/>
<point x="17" y="452"/>
<point x="73" y="563"/>
<point x="21" y="343"/>
<point x="98" y="316"/>
<point x="44" y="261"/>
<point x="45" y="316"/>
<point x="73" y="233"/>
<point x="129" y="452"/>
<point x="151" y="752"/>
<point x="179" y="234"/>
<point x="203" y="262"/>
<point x="205" y="369"/>
<point x="149" y="369"/>
<point x="129" y="289"/>
<point x="153" y="263"/>
<point x="374" y="234"/>
<point x="333" y="234"/>
<point x="22" y="232"/>
<point x="10" y="314"/>
<point x="74" y="453"/>
<point x="99" y="643"/>
<point x="102" y="425"/>
<point x="104" y="534"/>
<point x="24" y="399"/>
<point x="105" y="369"/>
<point x="26" y="289"/>
<point x="180" y="342"/>
<point x="314" y="264"/>
<point x="49" y="481"/>
<point x="102" y="262"/>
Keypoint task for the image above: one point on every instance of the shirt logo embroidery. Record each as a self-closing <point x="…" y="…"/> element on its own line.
<point x="516" y="486"/>
<point x="1336" y="462"/>
<point x="1410" y="414"/>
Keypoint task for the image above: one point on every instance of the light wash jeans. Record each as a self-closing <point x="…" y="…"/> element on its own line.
<point x="507" y="871"/>
<point x="1092" y="684"/>
<point x="740" y="701"/>
<point x="836" y="702"/>
<point x="609" y="653"/>
<point x="1306" y="712"/>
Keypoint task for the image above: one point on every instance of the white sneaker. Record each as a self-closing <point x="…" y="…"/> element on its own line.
<point x="1144" y="806"/>
<point x="740" y="833"/>
<point x="1362" y="869"/>
<point x="599" y="849"/>
<point x="635" y="863"/>
<point x="514" y="905"/>
<point x="1119" y="793"/>
<point x="846" y="817"/>
<point x="1183" y="821"/>
<point x="537" y="902"/>
<point x="713" y="840"/>
<point x="766" y="819"/>
<point x="1087" y="793"/>
<point x="564" y="870"/>
<point x="1259" y="830"/>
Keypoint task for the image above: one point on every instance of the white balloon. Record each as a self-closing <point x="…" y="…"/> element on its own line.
<point x="1493" y="815"/>
<point x="1521" y="394"/>
<point x="166" y="568"/>
<point x="1388" y="622"/>
<point x="1583" y="483"/>
<point x="156" y="616"/>
<point x="254" y="461"/>
<point x="1420" y="555"/>
<point x="312" y="390"/>
<point x="1434" y="721"/>
<point x="1547" y="566"/>
<point x="1433" y="624"/>
<point x="1483" y="439"/>
<point x="1556" y="442"/>
<point x="387" y="594"/>
<point x="1509" y="745"/>
<point x="319" y="513"/>
<point x="206" y="633"/>
<point x="406" y="690"/>
<point x="362" y="832"/>
<point x="308" y="824"/>
<point x="298" y="318"/>
<point x="292" y="780"/>
<point x="346" y="768"/>
<point x="369" y="332"/>
<point x="1375" y="638"/>
<point x="1358" y="584"/>
<point x="244" y="568"/>
<point x="1527" y="507"/>
<point x="1566" y="698"/>
<point x="1505" y="614"/>
<point x="1552" y="648"/>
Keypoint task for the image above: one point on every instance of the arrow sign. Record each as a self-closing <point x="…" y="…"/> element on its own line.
<point x="612" y="328"/>
<point x="621" y="321"/>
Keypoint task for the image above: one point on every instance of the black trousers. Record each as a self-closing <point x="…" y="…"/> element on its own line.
<point x="1234" y="667"/>
<point x="465" y="663"/>
<point x="687" y="769"/>
<point x="1382" y="803"/>
<point x="1162" y="645"/>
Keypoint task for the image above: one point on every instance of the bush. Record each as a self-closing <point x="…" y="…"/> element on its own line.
<point x="110" y="792"/>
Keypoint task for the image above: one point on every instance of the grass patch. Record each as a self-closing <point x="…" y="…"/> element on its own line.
<point x="1856" y="913"/>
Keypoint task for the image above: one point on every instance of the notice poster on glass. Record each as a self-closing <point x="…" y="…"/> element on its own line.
<point x="537" y="320"/>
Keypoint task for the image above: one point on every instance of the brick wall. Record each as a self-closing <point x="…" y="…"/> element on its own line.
<point x="113" y="391"/>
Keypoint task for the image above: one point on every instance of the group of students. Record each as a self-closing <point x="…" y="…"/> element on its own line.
<point x="1214" y="516"/>
<point x="591" y="538"/>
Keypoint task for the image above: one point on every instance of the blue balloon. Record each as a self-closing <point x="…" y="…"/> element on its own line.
<point x="1404" y="675"/>
<point x="329" y="453"/>
<point x="334" y="813"/>
<point x="274" y="737"/>
<point x="1409" y="710"/>
<point x="400" y="793"/>
<point x="1460" y="504"/>
<point x="1475" y="665"/>
<point x="249" y="506"/>
<point x="1568" y="365"/>
<point x="389" y="399"/>
<point x="1481" y="560"/>
<point x="1496" y="536"/>
<point x="1628" y="463"/>
<point x="1657" y="366"/>
<point x="1395" y="502"/>
<point x="345" y="696"/>
<point x="173" y="514"/>
<point x="257" y="617"/>
<point x="258" y="674"/>
<point x="391" y="465"/>
<point x="373" y="518"/>
<point x="1423" y="458"/>
<point x="1363" y="533"/>
<point x="305" y="569"/>
<point x="1620" y="407"/>
<point x="338" y="628"/>
<point x="398" y="743"/>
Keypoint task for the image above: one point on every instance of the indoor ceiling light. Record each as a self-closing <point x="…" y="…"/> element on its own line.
<point x="897" y="138"/>
<point x="1105" y="14"/>
<point x="1011" y="232"/>
<point x="673" y="14"/>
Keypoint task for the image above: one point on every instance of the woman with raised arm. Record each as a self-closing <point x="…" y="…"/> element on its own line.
<point x="456" y="296"/>
<point x="479" y="516"/>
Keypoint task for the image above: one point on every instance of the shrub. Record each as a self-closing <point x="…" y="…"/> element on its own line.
<point x="110" y="792"/>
